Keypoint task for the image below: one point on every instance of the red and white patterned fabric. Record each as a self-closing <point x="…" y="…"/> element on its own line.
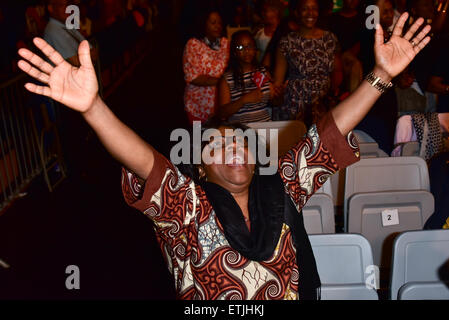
<point x="199" y="59"/>
<point x="203" y="264"/>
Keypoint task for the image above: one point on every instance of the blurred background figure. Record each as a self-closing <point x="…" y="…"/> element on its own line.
<point x="204" y="61"/>
<point x="244" y="90"/>
<point x="271" y="18"/>
<point x="347" y="24"/>
<point x="64" y="40"/>
<point x="310" y="55"/>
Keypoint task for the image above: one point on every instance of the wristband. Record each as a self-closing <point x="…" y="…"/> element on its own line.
<point x="377" y="82"/>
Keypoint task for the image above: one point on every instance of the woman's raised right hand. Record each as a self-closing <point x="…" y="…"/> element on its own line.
<point x="74" y="87"/>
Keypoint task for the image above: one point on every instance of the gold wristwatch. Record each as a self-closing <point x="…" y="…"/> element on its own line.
<point x="377" y="82"/>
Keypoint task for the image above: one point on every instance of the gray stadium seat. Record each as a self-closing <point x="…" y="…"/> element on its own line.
<point x="318" y="213"/>
<point x="374" y="186"/>
<point x="342" y="260"/>
<point x="371" y="150"/>
<point x="432" y="290"/>
<point x="420" y="265"/>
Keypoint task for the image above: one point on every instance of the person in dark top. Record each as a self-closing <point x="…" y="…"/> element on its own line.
<point x="347" y="25"/>
<point x="439" y="80"/>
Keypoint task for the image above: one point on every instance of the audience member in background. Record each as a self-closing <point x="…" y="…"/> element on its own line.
<point x="35" y="18"/>
<point x="287" y="25"/>
<point x="409" y="100"/>
<point x="65" y="41"/>
<point x="271" y="15"/>
<point x="347" y="24"/>
<point x="400" y="6"/>
<point x="439" y="80"/>
<point x="244" y="90"/>
<point x="310" y="56"/>
<point x="85" y="22"/>
<point x="326" y="10"/>
<point x="380" y="122"/>
<point x="204" y="62"/>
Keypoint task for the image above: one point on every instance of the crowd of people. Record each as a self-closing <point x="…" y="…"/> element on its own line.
<point x="311" y="57"/>
<point x="32" y="18"/>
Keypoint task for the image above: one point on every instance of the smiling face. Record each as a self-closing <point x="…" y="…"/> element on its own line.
<point x="245" y="50"/>
<point x="214" y="26"/>
<point x="231" y="164"/>
<point x="307" y="12"/>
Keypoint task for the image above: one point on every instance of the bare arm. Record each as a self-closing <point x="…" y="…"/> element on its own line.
<point x="205" y="81"/>
<point x="391" y="59"/>
<point x="227" y="107"/>
<point x="77" y="88"/>
<point x="280" y="68"/>
<point x="337" y="74"/>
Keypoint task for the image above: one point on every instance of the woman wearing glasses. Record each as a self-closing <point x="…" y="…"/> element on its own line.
<point x="244" y="90"/>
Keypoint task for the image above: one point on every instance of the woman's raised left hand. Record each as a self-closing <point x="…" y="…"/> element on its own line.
<point x="395" y="55"/>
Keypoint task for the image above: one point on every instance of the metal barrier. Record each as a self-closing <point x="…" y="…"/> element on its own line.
<point x="19" y="155"/>
<point x="29" y="139"/>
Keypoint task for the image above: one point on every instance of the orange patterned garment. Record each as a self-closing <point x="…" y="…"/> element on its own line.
<point x="194" y="246"/>
<point x="199" y="59"/>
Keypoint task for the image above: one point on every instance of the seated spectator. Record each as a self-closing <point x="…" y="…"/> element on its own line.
<point x="430" y="130"/>
<point x="408" y="98"/>
<point x="244" y="91"/>
<point x="204" y="62"/>
<point x="271" y="15"/>
<point x="439" y="80"/>
<point x="65" y="41"/>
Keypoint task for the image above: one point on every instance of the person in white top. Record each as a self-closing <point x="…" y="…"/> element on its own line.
<point x="271" y="14"/>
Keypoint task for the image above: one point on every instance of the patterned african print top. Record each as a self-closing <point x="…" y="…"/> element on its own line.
<point x="203" y="264"/>
<point x="310" y="64"/>
<point x="199" y="59"/>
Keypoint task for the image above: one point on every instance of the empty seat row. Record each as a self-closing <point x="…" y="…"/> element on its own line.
<point x="419" y="270"/>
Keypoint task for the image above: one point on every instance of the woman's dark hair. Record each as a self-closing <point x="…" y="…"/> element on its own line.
<point x="193" y="170"/>
<point x="199" y="25"/>
<point x="234" y="65"/>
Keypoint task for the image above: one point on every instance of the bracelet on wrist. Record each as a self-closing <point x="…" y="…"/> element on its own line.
<point x="377" y="82"/>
